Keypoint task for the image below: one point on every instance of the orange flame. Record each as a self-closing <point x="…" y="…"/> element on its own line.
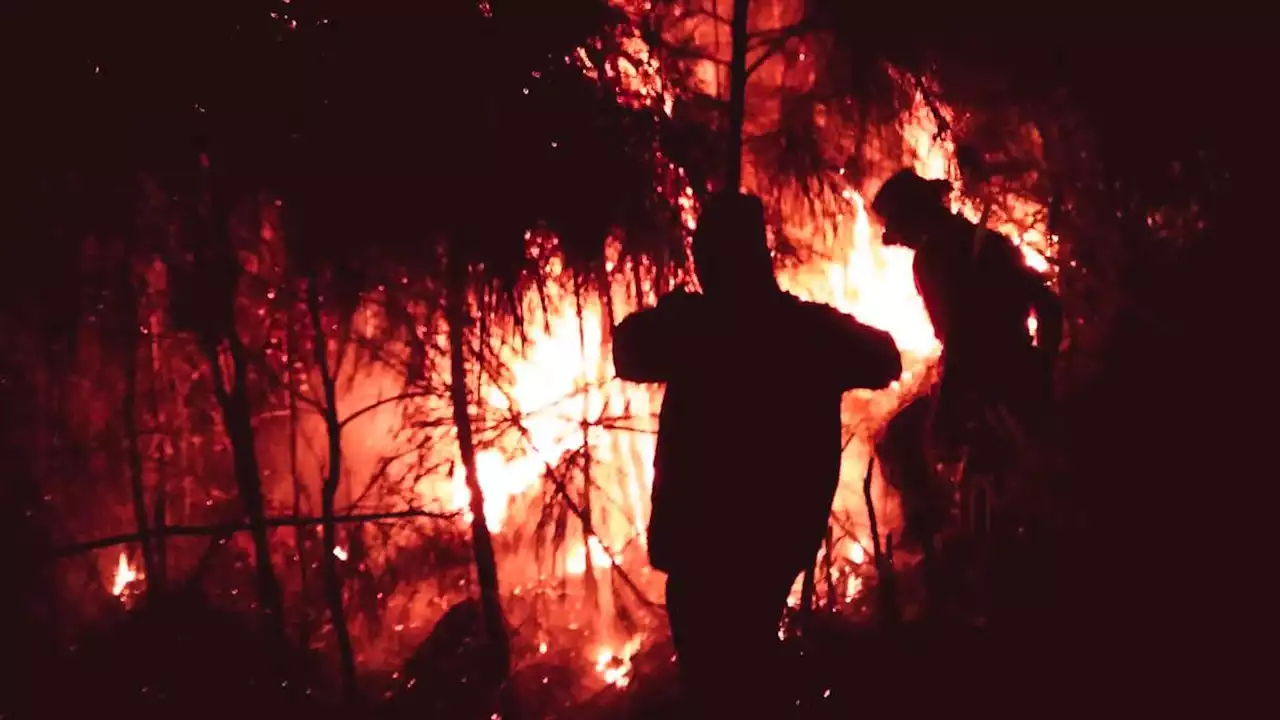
<point x="615" y="665"/>
<point x="125" y="575"/>
<point x="857" y="555"/>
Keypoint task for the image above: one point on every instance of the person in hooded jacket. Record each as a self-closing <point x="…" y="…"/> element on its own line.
<point x="748" y="451"/>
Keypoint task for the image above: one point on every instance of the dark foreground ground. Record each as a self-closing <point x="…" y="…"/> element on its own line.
<point x="1073" y="651"/>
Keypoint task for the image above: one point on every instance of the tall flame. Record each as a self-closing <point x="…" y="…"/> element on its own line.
<point x="125" y="575"/>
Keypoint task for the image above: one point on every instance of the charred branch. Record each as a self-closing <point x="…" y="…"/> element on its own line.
<point x="219" y="530"/>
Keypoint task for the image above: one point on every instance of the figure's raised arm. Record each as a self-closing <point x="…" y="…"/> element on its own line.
<point x="646" y="343"/>
<point x="861" y="356"/>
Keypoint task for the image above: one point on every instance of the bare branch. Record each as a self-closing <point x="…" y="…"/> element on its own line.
<point x="409" y="395"/>
<point x="221" y="529"/>
<point x="709" y="14"/>
<point x="768" y="37"/>
<point x="259" y="361"/>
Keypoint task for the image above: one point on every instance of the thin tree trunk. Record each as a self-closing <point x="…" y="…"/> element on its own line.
<point x="589" y="571"/>
<point x="329" y="561"/>
<point x="233" y="398"/>
<point x="299" y="535"/>
<point x="235" y="413"/>
<point x="486" y="563"/>
<point x="129" y="408"/>
<point x="884" y="571"/>
<point x="156" y="580"/>
<point x="737" y="93"/>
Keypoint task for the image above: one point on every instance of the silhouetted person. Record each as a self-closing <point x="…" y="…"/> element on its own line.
<point x="748" y="454"/>
<point x="979" y="293"/>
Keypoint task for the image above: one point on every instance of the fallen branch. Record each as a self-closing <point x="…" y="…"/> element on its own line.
<point x="226" y="529"/>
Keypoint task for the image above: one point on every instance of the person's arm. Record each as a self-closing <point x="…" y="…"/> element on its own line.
<point x="645" y="343"/>
<point x="863" y="356"/>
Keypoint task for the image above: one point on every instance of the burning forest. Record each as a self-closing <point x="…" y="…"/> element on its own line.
<point x="315" y="406"/>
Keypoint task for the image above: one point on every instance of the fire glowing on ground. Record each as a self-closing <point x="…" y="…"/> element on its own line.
<point x="125" y="577"/>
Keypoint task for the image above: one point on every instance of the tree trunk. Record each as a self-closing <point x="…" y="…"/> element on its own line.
<point x="737" y="93"/>
<point x="215" y="261"/>
<point x="235" y="414"/>
<point x="329" y="562"/>
<point x="888" y="602"/>
<point x="592" y="584"/>
<point x="130" y="410"/>
<point x="486" y="564"/>
<point x="299" y="535"/>
<point x="156" y="578"/>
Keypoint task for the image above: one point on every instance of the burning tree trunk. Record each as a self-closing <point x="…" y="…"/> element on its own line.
<point x="459" y="318"/>
<point x="333" y="430"/>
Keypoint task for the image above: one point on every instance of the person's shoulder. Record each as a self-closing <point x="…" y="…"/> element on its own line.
<point x="790" y="302"/>
<point x="680" y="298"/>
<point x="815" y="312"/>
<point x="1000" y="248"/>
<point x="680" y="294"/>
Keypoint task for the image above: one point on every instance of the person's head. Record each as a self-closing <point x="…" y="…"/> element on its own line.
<point x="730" y="249"/>
<point x="909" y="206"/>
